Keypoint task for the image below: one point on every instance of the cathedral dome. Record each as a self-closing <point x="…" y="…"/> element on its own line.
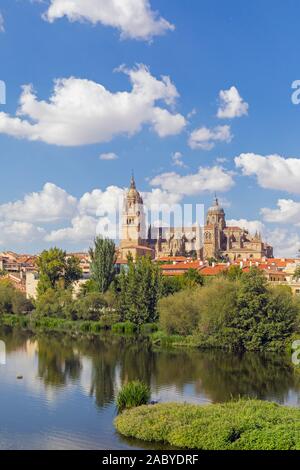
<point x="216" y="208"/>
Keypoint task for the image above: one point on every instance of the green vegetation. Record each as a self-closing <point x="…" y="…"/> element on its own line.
<point x="138" y="290"/>
<point x="12" y="300"/>
<point x="237" y="314"/>
<point x="57" y="270"/>
<point x="103" y="260"/>
<point x="240" y="425"/>
<point x="132" y="395"/>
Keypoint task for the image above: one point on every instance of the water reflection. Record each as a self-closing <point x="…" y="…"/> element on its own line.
<point x="75" y="368"/>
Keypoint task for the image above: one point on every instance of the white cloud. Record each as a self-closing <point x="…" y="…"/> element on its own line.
<point x="100" y="202"/>
<point x="81" y="112"/>
<point x="19" y="232"/>
<point x="157" y="197"/>
<point x="285" y="242"/>
<point x="83" y="229"/>
<point x="232" y="104"/>
<point x="2" y="27"/>
<point x="108" y="156"/>
<point x="252" y="226"/>
<point x="205" y="139"/>
<point x="272" y="171"/>
<point x="49" y="205"/>
<point x="206" y="179"/>
<point x="288" y="212"/>
<point x="133" y="18"/>
<point x="177" y="160"/>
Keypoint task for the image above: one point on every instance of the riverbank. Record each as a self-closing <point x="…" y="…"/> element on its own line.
<point x="33" y="322"/>
<point x="240" y="425"/>
<point x="151" y="331"/>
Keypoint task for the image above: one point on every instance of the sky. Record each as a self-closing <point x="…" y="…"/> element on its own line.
<point x="195" y="97"/>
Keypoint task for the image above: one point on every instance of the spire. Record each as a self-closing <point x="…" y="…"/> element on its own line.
<point x="132" y="181"/>
<point x="216" y="200"/>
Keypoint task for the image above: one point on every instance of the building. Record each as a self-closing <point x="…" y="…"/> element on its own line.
<point x="230" y="243"/>
<point x="215" y="240"/>
<point x="134" y="240"/>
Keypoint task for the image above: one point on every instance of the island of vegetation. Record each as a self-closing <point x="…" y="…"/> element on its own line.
<point x="236" y="310"/>
<point x="236" y="425"/>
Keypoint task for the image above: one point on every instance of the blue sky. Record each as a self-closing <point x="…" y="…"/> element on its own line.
<point x="204" y="47"/>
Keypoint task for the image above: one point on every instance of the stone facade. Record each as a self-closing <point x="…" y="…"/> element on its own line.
<point x="231" y="243"/>
<point x="134" y="241"/>
<point x="215" y="240"/>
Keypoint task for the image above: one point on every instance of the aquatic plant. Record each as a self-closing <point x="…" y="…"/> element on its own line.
<point x="133" y="394"/>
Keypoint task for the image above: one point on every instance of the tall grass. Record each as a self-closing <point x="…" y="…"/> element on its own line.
<point x="132" y="395"/>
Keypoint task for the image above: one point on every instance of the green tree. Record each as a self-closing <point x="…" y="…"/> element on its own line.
<point x="193" y="278"/>
<point x="103" y="260"/>
<point x="138" y="290"/>
<point x="233" y="273"/>
<point x="296" y="275"/>
<point x="57" y="270"/>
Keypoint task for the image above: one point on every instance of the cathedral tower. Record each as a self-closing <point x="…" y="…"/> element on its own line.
<point x="133" y="241"/>
<point x="213" y="231"/>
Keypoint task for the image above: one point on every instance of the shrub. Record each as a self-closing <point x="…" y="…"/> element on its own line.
<point x="125" y="327"/>
<point x="179" y="313"/>
<point x="132" y="395"/>
<point x="91" y="307"/>
<point x="149" y="328"/>
<point x="241" y="425"/>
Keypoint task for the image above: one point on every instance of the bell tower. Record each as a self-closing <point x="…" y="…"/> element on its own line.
<point x="134" y="240"/>
<point x="213" y="231"/>
<point x="133" y="225"/>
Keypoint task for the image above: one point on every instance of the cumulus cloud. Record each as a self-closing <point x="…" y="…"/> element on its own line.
<point x="205" y="139"/>
<point x="232" y="104"/>
<point x="286" y="243"/>
<point x="108" y="156"/>
<point x="205" y="180"/>
<point x="177" y="160"/>
<point x="51" y="204"/>
<point x="82" y="112"/>
<point x="271" y="171"/>
<point x="133" y="18"/>
<point x="16" y="232"/>
<point x="252" y="226"/>
<point x="83" y="229"/>
<point x="287" y="212"/>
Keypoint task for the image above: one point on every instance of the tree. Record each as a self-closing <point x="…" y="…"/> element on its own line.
<point x="233" y="273"/>
<point x="103" y="260"/>
<point x="193" y="278"/>
<point x="296" y="275"/>
<point x="57" y="270"/>
<point x="138" y="290"/>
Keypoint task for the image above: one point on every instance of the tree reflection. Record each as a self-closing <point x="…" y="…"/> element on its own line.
<point x="111" y="361"/>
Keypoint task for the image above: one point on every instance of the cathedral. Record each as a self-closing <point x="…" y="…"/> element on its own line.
<point x="213" y="241"/>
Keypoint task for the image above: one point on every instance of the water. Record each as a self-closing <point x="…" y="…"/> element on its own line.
<point x="66" y="397"/>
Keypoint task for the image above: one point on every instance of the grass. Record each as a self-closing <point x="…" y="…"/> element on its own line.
<point x="132" y="395"/>
<point x="240" y="425"/>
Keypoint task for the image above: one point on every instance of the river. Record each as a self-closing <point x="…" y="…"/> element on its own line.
<point x="65" y="399"/>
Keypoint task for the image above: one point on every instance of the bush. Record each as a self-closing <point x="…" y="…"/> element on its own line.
<point x="12" y="300"/>
<point x="179" y="313"/>
<point x="125" y="327"/>
<point x="132" y="395"/>
<point x="149" y="328"/>
<point x="91" y="307"/>
<point x="241" y="425"/>
<point x="244" y="314"/>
